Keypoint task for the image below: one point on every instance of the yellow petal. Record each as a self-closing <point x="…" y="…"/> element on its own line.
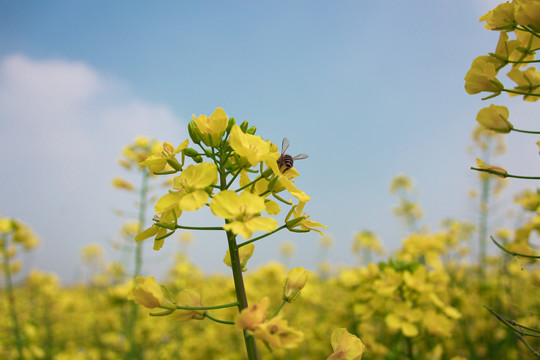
<point x="193" y="201"/>
<point x="168" y="202"/>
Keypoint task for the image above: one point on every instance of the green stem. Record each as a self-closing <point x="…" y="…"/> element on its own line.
<point x="241" y="296"/>
<point x="525" y="131"/>
<point x="195" y="227"/>
<point x="251" y="183"/>
<point x="233" y="178"/>
<point x="279" y="308"/>
<point x="11" y="300"/>
<point x="262" y="236"/>
<point x="512" y="252"/>
<point x="520" y="92"/>
<point x="281" y="199"/>
<point x="517" y="332"/>
<point x="218" y="320"/>
<point x="526" y="29"/>
<point x="505" y="175"/>
<point x="502" y="58"/>
<point x="224" y="306"/>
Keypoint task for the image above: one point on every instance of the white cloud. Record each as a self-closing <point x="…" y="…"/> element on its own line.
<point x="62" y="126"/>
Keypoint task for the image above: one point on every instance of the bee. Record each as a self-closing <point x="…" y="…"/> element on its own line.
<point x="286" y="161"/>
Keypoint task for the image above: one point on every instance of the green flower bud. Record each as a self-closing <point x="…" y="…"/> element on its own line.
<point x="295" y="282"/>
<point x="252" y="130"/>
<point x="244" y="126"/>
<point x="198" y="159"/>
<point x="191" y="152"/>
<point x="231" y="124"/>
<point x="194" y="132"/>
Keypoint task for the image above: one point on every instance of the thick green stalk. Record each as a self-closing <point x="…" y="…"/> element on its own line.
<point x="11" y="300"/>
<point x="251" y="346"/>
<point x="134" y="351"/>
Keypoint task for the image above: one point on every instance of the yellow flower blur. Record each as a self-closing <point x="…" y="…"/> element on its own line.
<point x="278" y="334"/>
<point x="120" y="183"/>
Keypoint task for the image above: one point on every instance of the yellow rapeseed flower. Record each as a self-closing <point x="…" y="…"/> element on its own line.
<point x="147" y="293"/>
<point x="527" y="81"/>
<point x="253" y="316"/>
<point x="191" y="188"/>
<point x="189" y="298"/>
<point x="527" y="13"/>
<point x="242" y="211"/>
<point x="212" y="128"/>
<point x="502" y="17"/>
<point x="168" y="217"/>
<point x="495" y="118"/>
<point x="346" y="346"/>
<point x="278" y="334"/>
<point x="304" y="224"/>
<point x="156" y="162"/>
<point x="253" y="149"/>
<point x="245" y="253"/>
<point x="482" y="76"/>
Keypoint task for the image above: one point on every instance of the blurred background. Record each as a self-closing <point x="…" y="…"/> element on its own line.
<point x="369" y="89"/>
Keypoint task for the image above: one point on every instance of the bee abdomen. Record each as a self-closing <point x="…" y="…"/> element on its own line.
<point x="285" y="162"/>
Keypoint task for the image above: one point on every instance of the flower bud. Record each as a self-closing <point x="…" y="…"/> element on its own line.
<point x="296" y="280"/>
<point x="230" y="125"/>
<point x="251" y="130"/>
<point x="194" y="132"/>
<point x="244" y="126"/>
<point x="191" y="152"/>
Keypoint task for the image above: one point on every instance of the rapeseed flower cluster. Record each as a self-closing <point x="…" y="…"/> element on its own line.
<point x="236" y="175"/>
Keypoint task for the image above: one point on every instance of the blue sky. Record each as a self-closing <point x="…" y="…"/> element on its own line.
<point x="368" y="89"/>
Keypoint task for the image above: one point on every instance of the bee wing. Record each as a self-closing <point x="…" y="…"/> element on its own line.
<point x="301" y="156"/>
<point x="284" y="145"/>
